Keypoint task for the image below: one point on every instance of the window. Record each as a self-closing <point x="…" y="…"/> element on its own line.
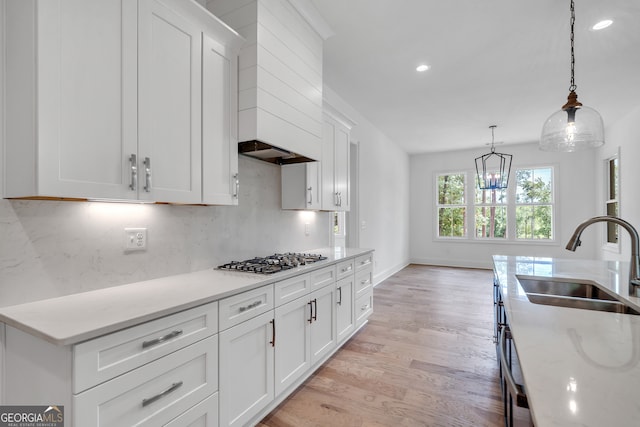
<point x="534" y="204"/>
<point x="451" y="205"/>
<point x="612" y="206"/>
<point x="491" y="213"/>
<point x="523" y="212"/>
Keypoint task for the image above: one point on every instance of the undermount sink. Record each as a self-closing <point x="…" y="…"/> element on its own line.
<point x="572" y="294"/>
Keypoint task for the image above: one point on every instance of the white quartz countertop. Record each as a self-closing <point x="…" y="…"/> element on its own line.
<point x="74" y="318"/>
<point x="580" y="367"/>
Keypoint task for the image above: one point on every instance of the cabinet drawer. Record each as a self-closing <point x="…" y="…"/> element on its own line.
<point x="204" y="414"/>
<point x="244" y="306"/>
<point x="323" y="277"/>
<point x="290" y="289"/>
<point x="106" y="357"/>
<point x="345" y="268"/>
<point x="364" y="307"/>
<point x="363" y="282"/>
<point x="364" y="261"/>
<point x="155" y="393"/>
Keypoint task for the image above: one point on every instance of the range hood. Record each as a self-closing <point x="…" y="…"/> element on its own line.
<point x="263" y="151"/>
<point x="279" y="77"/>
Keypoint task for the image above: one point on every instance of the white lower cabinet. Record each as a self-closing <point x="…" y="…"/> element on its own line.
<point x="227" y="363"/>
<point x="364" y="307"/>
<point x="155" y="393"/>
<point x="204" y="414"/>
<point x="246" y="369"/>
<point x="293" y="351"/>
<point x="305" y="334"/>
<point x="345" y="320"/>
<point x="323" y="331"/>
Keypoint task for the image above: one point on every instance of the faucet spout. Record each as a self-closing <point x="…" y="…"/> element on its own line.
<point x="634" y="267"/>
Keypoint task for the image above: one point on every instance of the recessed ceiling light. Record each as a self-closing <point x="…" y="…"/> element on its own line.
<point x="602" y="24"/>
<point x="423" y="67"/>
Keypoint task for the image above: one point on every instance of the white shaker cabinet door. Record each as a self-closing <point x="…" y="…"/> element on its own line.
<point x="71" y="95"/>
<point x="341" y="166"/>
<point x="246" y="369"/>
<point x="219" y="124"/>
<point x="335" y="165"/>
<point x="323" y="330"/>
<point x="170" y="67"/>
<point x="293" y="351"/>
<point x="345" y="319"/>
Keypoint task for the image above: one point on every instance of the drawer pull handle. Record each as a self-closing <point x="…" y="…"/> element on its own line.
<point x="133" y="162"/>
<point x="273" y="332"/>
<point x="364" y="307"/>
<point x="364" y="282"/>
<point x="340" y="295"/>
<point x="310" y="304"/>
<point x="250" y="306"/>
<point x="315" y="311"/>
<point x="147" y="174"/>
<point x="160" y="340"/>
<point x="160" y="395"/>
<point x="365" y="262"/>
<point x="345" y="269"/>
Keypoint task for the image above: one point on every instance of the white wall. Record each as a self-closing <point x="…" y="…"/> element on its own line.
<point x="383" y="193"/>
<point x="50" y="248"/>
<point x="575" y="195"/>
<point x="624" y="135"/>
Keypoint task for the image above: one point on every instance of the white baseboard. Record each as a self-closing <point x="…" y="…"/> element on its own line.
<point x="453" y="263"/>
<point x="384" y="275"/>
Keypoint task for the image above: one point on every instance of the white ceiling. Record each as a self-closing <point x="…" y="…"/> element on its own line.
<point x="501" y="62"/>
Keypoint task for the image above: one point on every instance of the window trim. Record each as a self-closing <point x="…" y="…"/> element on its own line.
<point x="554" y="207"/>
<point x="437" y="206"/>
<point x="614" y="248"/>
<point x="470" y="186"/>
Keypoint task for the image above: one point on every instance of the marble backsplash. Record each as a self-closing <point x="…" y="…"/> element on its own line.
<point x="55" y="248"/>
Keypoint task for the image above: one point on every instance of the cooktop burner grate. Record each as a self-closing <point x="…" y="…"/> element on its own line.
<point x="273" y="263"/>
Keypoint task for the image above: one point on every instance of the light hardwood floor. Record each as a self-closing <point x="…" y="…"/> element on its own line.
<point x="426" y="358"/>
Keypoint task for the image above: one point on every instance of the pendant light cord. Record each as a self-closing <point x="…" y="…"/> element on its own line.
<point x="493" y="148"/>
<point x="573" y="86"/>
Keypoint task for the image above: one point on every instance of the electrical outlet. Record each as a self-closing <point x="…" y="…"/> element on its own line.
<point x="307" y="229"/>
<point x="135" y="239"/>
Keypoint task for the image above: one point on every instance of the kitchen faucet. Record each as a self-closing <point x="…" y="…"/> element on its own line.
<point x="634" y="272"/>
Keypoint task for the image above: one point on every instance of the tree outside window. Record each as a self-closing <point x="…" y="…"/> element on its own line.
<point x="534" y="204"/>
<point x="524" y="211"/>
<point x="491" y="213"/>
<point x="451" y="205"/>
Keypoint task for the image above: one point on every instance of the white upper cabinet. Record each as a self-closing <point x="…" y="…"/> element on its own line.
<point x="336" y="187"/>
<point x="302" y="186"/>
<point x="71" y="90"/>
<point x="169" y="122"/>
<point x="105" y="101"/>
<point x="280" y="74"/>
<point x="219" y="124"/>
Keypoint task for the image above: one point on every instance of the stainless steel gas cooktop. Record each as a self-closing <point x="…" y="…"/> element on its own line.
<point x="273" y="263"/>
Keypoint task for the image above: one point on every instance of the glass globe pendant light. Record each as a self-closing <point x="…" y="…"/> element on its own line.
<point x="493" y="169"/>
<point x="575" y="127"/>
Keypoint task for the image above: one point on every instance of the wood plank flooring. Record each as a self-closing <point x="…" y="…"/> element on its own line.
<point x="426" y="358"/>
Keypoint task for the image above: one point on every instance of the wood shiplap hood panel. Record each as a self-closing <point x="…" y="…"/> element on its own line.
<point x="280" y="78"/>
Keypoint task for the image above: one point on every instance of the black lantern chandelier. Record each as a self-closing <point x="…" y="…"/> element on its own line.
<point x="574" y="127"/>
<point x="493" y="169"/>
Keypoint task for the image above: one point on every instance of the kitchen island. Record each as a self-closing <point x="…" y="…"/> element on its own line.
<point x="580" y="367"/>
